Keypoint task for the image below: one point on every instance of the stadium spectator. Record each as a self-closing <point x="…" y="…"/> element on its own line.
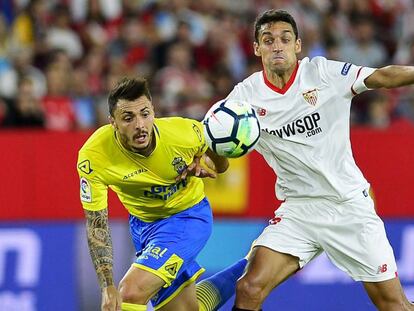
<point x="405" y="107"/>
<point x="57" y="104"/>
<point x="4" y="110"/>
<point x="95" y="65"/>
<point x="4" y="41"/>
<point x="362" y="47"/>
<point x="30" y="24"/>
<point x="21" y="66"/>
<point x="132" y="45"/>
<point x="215" y="33"/>
<point x="26" y="110"/>
<point x="183" y="91"/>
<point x="405" y="52"/>
<point x="183" y="35"/>
<point x="83" y="101"/>
<point x="99" y="10"/>
<point x="378" y="112"/>
<point x="210" y="55"/>
<point x="60" y="35"/>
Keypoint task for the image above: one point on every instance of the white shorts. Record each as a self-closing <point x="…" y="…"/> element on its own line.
<point x="351" y="233"/>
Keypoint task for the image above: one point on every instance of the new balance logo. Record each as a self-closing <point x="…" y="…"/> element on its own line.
<point x="261" y="112"/>
<point x="275" y="220"/>
<point x="382" y="269"/>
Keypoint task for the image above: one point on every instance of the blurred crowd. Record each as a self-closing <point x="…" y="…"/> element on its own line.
<point x="58" y="59"/>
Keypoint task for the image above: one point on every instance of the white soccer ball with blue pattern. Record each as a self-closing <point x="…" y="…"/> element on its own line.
<point x="231" y="128"/>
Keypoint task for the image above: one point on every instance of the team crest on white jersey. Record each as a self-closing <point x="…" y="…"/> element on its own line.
<point x="311" y="97"/>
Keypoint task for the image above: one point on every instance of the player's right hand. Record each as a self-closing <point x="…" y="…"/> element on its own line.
<point x="111" y="299"/>
<point x="196" y="169"/>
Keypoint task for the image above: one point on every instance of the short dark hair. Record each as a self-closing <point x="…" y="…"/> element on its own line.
<point x="129" y="89"/>
<point x="273" y="16"/>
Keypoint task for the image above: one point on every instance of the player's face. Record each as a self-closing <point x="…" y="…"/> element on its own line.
<point x="133" y="121"/>
<point x="277" y="47"/>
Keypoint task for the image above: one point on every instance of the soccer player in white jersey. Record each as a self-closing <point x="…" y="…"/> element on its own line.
<point x="304" y="110"/>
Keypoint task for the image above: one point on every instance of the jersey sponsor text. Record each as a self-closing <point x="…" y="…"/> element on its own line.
<point x="164" y="192"/>
<point x="308" y="125"/>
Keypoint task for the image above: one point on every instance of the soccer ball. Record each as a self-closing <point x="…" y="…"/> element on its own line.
<point x="231" y="128"/>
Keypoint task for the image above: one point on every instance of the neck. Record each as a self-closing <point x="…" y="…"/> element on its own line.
<point x="280" y="78"/>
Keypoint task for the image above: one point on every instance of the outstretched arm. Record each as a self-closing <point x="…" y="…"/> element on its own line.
<point x="100" y="248"/>
<point x="390" y="77"/>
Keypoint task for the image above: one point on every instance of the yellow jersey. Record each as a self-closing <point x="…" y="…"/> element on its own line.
<point x="146" y="186"/>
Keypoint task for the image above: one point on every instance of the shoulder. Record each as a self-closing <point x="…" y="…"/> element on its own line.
<point x="96" y="153"/>
<point x="316" y="63"/>
<point x="177" y="130"/>
<point x="245" y="89"/>
<point x="335" y="66"/>
<point x="320" y="61"/>
<point x="172" y="124"/>
<point x="317" y="60"/>
<point x="331" y="70"/>
<point x="99" y="140"/>
<point x="252" y="80"/>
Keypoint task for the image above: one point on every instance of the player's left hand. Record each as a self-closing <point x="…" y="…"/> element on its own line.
<point x="197" y="169"/>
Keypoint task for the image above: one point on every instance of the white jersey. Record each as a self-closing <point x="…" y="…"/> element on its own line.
<point x="305" y="128"/>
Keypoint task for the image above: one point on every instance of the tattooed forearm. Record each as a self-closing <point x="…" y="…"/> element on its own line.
<point x="100" y="245"/>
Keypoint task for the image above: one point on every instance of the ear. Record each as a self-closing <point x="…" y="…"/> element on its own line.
<point x="298" y="46"/>
<point x="256" y="49"/>
<point x="111" y="120"/>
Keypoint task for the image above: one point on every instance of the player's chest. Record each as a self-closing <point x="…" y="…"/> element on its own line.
<point x="301" y="113"/>
<point x="159" y="168"/>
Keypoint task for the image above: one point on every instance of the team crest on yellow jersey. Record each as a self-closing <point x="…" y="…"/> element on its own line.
<point x="179" y="164"/>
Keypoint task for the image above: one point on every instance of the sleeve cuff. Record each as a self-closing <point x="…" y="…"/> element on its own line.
<point x="359" y="84"/>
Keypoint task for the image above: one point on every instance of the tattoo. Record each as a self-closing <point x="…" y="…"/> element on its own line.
<point x="100" y="245"/>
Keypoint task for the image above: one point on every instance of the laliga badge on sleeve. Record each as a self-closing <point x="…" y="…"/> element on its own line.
<point x="85" y="190"/>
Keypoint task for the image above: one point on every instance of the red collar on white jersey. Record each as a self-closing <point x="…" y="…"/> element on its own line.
<point x="287" y="85"/>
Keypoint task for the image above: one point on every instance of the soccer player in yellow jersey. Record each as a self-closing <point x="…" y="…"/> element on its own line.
<point x="150" y="163"/>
